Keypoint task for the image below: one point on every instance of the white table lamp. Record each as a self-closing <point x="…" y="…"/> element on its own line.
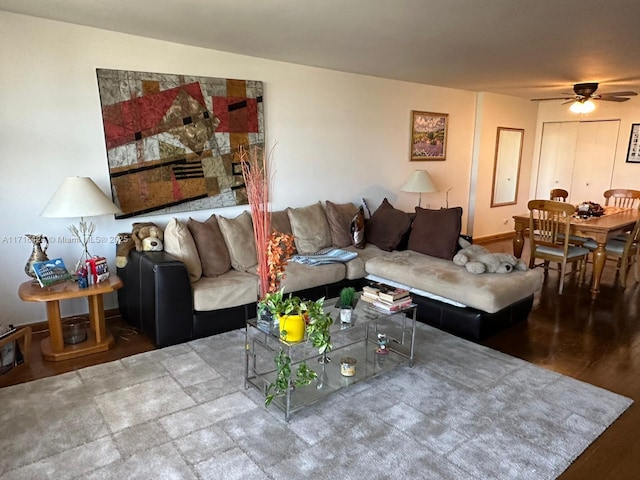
<point x="420" y="182"/>
<point x="80" y="197"/>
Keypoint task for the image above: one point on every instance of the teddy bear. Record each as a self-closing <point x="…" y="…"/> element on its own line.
<point x="147" y="236"/>
<point x="144" y="237"/>
<point x="477" y="259"/>
<point x="124" y="244"/>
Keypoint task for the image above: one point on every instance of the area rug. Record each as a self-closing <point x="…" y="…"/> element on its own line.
<point x="463" y="411"/>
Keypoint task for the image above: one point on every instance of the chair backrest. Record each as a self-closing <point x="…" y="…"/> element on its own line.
<point x="547" y="220"/>
<point x="621" y="197"/>
<point x="559" y="195"/>
<point x="633" y="238"/>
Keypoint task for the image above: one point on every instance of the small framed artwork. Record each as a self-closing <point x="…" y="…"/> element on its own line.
<point x="633" y="153"/>
<point x="428" y="136"/>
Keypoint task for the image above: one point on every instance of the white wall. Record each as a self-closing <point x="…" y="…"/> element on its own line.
<point x="500" y="111"/>
<point x="625" y="175"/>
<point x="339" y="136"/>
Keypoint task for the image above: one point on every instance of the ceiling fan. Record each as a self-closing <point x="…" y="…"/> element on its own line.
<point x="587" y="91"/>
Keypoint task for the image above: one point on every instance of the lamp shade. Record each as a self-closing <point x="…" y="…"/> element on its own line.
<point x="79" y="197"/>
<point x="420" y="182"/>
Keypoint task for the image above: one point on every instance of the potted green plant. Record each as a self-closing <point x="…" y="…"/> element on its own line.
<point x="347" y="297"/>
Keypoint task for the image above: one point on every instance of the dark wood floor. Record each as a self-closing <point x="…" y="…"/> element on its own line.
<point x="594" y="341"/>
<point x="127" y="342"/>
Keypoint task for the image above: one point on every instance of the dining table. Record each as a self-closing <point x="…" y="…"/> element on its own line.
<point x="614" y="221"/>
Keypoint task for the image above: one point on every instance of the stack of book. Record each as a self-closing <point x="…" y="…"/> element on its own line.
<point x="386" y="297"/>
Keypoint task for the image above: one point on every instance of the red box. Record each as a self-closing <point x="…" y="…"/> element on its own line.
<point x="98" y="269"/>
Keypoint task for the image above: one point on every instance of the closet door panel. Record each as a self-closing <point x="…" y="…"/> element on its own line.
<point x="594" y="159"/>
<point x="557" y="154"/>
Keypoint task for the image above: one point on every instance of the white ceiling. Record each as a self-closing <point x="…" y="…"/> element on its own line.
<point x="532" y="48"/>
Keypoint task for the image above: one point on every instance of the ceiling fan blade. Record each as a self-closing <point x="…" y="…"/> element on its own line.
<point x="619" y="94"/>
<point x="551" y="98"/>
<point x="613" y="99"/>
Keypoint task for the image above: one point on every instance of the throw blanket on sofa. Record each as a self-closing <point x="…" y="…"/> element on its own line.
<point x="324" y="256"/>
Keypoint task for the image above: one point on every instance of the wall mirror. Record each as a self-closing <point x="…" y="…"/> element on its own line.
<point x="506" y="169"/>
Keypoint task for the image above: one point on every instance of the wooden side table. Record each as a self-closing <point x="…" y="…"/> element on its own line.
<point x="99" y="339"/>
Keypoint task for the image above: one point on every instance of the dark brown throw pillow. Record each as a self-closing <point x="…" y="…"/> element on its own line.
<point x="386" y="226"/>
<point x="436" y="232"/>
<point x="356" y="229"/>
<point x="339" y="217"/>
<point x="212" y="249"/>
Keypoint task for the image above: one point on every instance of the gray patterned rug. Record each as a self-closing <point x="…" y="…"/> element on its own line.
<point x="462" y="412"/>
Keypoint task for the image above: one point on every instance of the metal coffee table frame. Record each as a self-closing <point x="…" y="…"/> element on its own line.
<point x="357" y="340"/>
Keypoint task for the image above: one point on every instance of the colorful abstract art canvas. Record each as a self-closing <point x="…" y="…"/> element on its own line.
<point x="172" y="140"/>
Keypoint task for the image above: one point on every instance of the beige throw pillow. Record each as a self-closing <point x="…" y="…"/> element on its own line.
<point x="339" y="217"/>
<point x="179" y="243"/>
<point x="310" y="228"/>
<point x="212" y="249"/>
<point x="238" y="235"/>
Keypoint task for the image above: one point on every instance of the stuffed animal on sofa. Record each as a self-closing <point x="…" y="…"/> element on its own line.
<point x="124" y="244"/>
<point x="144" y="237"/>
<point x="147" y="236"/>
<point x="477" y="259"/>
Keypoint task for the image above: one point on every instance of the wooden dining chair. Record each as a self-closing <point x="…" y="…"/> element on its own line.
<point x="623" y="249"/>
<point x="621" y="197"/>
<point x="548" y="219"/>
<point x="558" y="194"/>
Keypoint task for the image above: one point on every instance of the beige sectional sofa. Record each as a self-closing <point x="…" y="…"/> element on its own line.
<point x="205" y="281"/>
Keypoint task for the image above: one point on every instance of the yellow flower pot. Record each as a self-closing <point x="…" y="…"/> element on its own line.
<point x="294" y="326"/>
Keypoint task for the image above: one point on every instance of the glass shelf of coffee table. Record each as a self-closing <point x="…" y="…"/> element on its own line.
<point x="357" y="340"/>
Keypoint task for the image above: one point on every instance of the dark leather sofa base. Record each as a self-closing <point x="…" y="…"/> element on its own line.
<point x="157" y="300"/>
<point x="470" y="323"/>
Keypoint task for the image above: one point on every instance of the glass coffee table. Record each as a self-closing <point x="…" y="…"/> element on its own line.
<point x="373" y="343"/>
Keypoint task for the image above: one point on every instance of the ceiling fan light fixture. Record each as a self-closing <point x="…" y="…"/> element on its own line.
<point x="582" y="106"/>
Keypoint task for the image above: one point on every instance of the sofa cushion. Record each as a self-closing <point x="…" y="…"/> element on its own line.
<point x="280" y="222"/>
<point x="310" y="228"/>
<point x="339" y="217"/>
<point x="300" y="277"/>
<point x="230" y="289"/>
<point x="213" y="252"/>
<point x="490" y="292"/>
<point x="179" y="243"/>
<point x="356" y="268"/>
<point x="386" y="226"/>
<point x="436" y="232"/>
<point x="238" y="235"/>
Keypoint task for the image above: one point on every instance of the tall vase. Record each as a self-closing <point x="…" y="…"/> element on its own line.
<point x="39" y="252"/>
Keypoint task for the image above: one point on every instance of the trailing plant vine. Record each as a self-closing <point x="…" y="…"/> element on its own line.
<point x="282" y="383"/>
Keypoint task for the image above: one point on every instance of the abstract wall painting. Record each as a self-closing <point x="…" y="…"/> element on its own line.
<point x="172" y="139"/>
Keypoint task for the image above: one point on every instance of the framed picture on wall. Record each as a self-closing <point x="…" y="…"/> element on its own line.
<point x="633" y="153"/>
<point x="428" y="135"/>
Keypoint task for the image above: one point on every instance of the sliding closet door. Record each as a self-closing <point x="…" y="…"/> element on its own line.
<point x="579" y="157"/>
<point x="557" y="154"/>
<point x="593" y="166"/>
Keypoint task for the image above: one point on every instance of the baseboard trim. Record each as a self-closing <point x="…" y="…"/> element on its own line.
<point x="494" y="238"/>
